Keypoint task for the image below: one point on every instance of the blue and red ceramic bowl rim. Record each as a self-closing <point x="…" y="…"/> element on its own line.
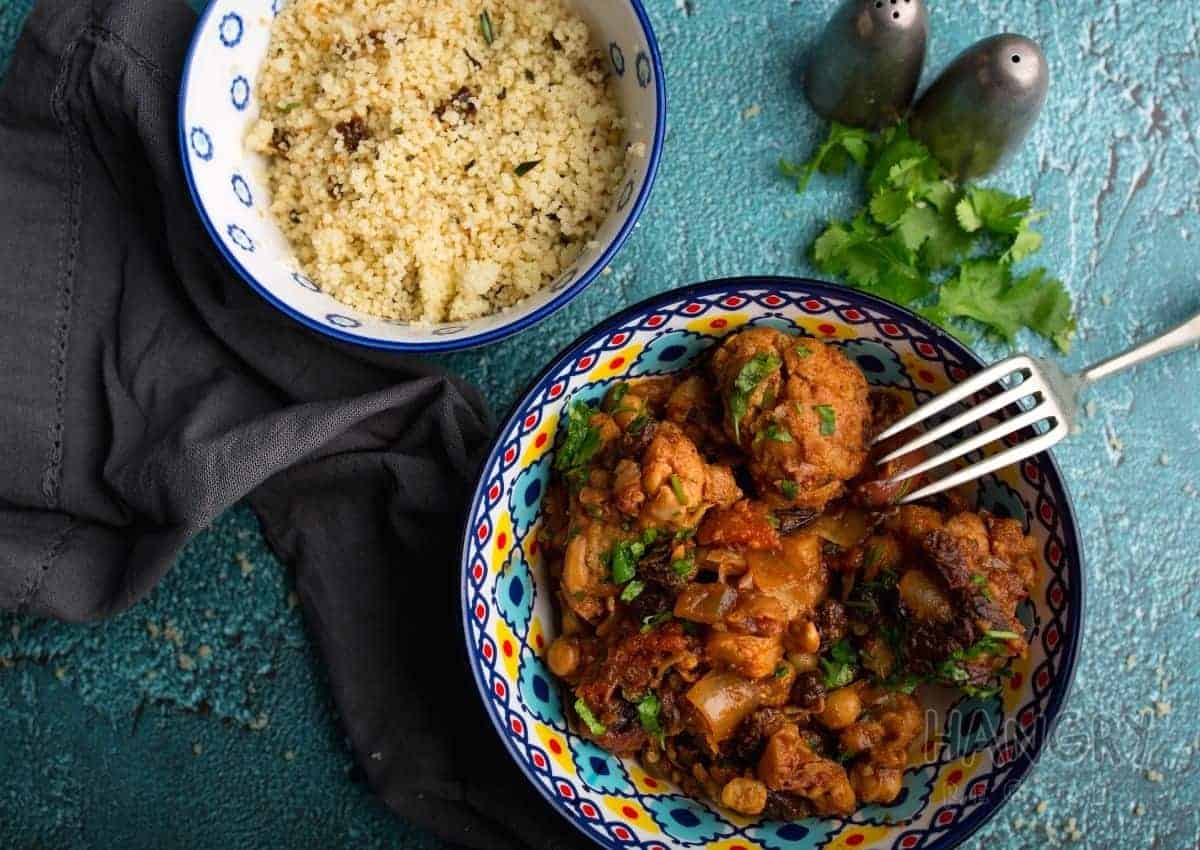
<point x="559" y="301"/>
<point x="1074" y="553"/>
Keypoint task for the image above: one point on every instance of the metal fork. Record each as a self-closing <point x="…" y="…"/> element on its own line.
<point x="1055" y="405"/>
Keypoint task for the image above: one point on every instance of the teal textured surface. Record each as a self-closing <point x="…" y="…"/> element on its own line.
<point x="203" y="714"/>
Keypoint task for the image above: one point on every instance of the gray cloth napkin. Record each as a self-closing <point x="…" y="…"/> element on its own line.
<point x="144" y="388"/>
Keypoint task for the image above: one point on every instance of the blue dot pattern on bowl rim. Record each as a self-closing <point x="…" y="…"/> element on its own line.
<point x="982" y="750"/>
<point x="217" y="108"/>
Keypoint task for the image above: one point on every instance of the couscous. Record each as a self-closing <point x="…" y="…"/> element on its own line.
<point x="437" y="160"/>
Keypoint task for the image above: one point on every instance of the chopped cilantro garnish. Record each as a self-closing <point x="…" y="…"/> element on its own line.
<point x="585" y="714"/>
<point x="828" y="418"/>
<point x="905" y="683"/>
<point x="653" y="620"/>
<point x="788" y="488"/>
<point x="623" y="558"/>
<point x="683" y="566"/>
<point x="285" y="108"/>
<point x="980" y="582"/>
<point x="952" y="672"/>
<point x="526" y="167"/>
<point x="648" y="711"/>
<point x="677" y="489"/>
<point x="802" y="350"/>
<point x="782" y="670"/>
<point x="756" y="370"/>
<point x="485" y="26"/>
<point x="638" y="424"/>
<point x="579" y="445"/>
<point x="685" y="534"/>
<point x="839" y="667"/>
<point x="632" y="590"/>
<point x="617" y="394"/>
<point x="776" y="432"/>
<point x="979" y="691"/>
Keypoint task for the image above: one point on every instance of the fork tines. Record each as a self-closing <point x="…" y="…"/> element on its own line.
<point x="1045" y="408"/>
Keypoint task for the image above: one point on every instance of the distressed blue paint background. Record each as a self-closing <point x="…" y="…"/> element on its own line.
<point x="201" y="718"/>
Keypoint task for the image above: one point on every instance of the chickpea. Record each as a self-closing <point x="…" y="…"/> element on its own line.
<point x="842" y="708"/>
<point x="571" y="624"/>
<point x="804" y="662"/>
<point x="808" y="639"/>
<point x="876" y="784"/>
<point x="746" y="796"/>
<point x="563" y="656"/>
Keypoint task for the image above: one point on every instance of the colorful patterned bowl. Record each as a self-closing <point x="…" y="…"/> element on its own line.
<point x="978" y="750"/>
<point x="228" y="184"/>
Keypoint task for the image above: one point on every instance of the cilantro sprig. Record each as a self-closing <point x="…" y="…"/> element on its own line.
<point x="843" y="145"/>
<point x="925" y="241"/>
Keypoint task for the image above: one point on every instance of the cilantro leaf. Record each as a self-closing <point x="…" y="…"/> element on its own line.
<point x="623" y="560"/>
<point x="615" y="395"/>
<point x="1027" y="241"/>
<point x="992" y="210"/>
<point x="778" y="433"/>
<point x="839" y="667"/>
<point x="917" y="225"/>
<point x="947" y="243"/>
<point x="828" y="417"/>
<point x="898" y="148"/>
<point x="633" y="590"/>
<point x="843" y="145"/>
<point x="984" y="290"/>
<point x="677" y="488"/>
<point x="890" y="205"/>
<point x="654" y="620"/>
<point x="589" y="720"/>
<point x="684" y="567"/>
<point x="648" y="715"/>
<point x="943" y="194"/>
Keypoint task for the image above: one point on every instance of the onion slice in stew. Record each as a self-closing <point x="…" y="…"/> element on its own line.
<point x="705" y="603"/>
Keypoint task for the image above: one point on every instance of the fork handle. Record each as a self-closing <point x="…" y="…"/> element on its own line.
<point x="1186" y="334"/>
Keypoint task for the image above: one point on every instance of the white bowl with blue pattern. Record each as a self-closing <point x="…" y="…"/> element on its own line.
<point x="229" y="186"/>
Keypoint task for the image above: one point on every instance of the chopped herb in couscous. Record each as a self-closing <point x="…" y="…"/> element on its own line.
<point x="437" y="160"/>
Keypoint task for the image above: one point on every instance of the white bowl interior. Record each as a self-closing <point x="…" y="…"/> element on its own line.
<point x="218" y="106"/>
